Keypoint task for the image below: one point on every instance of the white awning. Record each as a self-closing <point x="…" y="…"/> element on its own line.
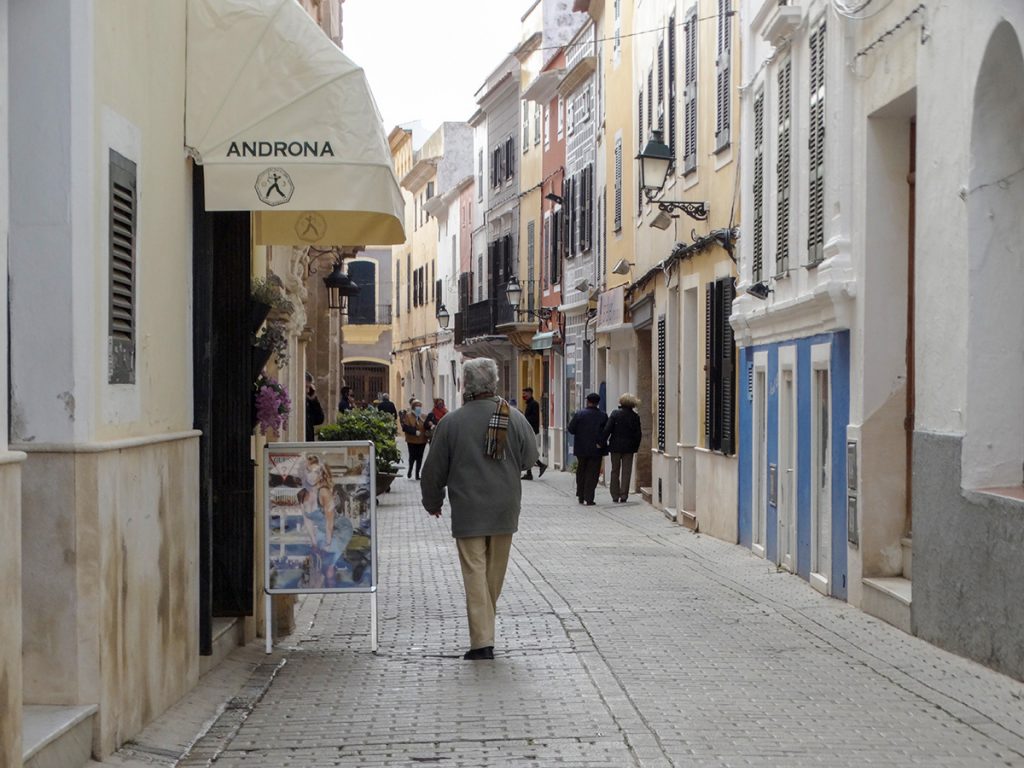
<point x="285" y="125"/>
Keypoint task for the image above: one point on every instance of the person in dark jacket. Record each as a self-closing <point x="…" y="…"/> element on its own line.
<point x="587" y="426"/>
<point x="622" y="435"/>
<point x="531" y="410"/>
<point x="345" y="404"/>
<point x="314" y="411"/>
<point x="386" y="406"/>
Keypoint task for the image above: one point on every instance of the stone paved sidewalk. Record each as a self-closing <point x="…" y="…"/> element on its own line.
<point x="623" y="640"/>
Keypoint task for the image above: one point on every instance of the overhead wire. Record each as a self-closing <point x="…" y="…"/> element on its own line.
<point x="662" y="28"/>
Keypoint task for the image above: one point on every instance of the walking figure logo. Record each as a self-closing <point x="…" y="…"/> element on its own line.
<point x="311" y="227"/>
<point x="274" y="186"/>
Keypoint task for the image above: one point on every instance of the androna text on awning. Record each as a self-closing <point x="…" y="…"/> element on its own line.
<point x="285" y="125"/>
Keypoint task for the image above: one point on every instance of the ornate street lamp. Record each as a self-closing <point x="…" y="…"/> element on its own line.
<point x="443" y="317"/>
<point x="340" y="287"/>
<point x="655" y="162"/>
<point x="514" y="294"/>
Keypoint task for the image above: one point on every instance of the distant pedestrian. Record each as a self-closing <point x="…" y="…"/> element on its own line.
<point x="387" y="406"/>
<point x="314" y="411"/>
<point x="438" y="412"/>
<point x="587" y="427"/>
<point x="622" y="435"/>
<point x="531" y="410"/>
<point x="415" y="436"/>
<point x="345" y="404"/>
<point x="478" y="452"/>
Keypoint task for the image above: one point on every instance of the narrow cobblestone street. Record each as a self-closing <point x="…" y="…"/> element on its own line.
<point x="623" y="640"/>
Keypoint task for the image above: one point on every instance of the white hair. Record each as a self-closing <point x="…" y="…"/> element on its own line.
<point x="479" y="375"/>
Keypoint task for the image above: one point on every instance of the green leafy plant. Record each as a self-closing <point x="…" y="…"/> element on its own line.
<point x="274" y="337"/>
<point x="367" y="424"/>
<point x="270" y="291"/>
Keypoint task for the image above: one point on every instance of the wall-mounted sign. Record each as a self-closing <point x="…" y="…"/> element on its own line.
<point x="611" y="309"/>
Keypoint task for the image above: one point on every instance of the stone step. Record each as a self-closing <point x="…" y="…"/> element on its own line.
<point x="889" y="599"/>
<point x="57" y="737"/>
<point x="908" y="557"/>
<point x="228" y="634"/>
<point x="687" y="519"/>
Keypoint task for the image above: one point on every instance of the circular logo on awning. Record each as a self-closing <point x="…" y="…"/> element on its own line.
<point x="311" y="227"/>
<point x="274" y="186"/>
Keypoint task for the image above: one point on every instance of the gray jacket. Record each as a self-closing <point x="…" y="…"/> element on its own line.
<point x="484" y="494"/>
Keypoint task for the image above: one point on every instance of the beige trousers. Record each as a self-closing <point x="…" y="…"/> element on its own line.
<point x="484" y="560"/>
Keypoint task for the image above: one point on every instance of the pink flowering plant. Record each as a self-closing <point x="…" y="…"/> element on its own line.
<point x="272" y="404"/>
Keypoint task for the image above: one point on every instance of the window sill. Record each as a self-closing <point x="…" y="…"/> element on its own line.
<point x="1011" y="493"/>
<point x="813" y="264"/>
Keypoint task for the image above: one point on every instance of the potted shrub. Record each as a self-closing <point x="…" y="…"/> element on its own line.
<point x="376" y="426"/>
<point x="267" y="295"/>
<point x="272" y="340"/>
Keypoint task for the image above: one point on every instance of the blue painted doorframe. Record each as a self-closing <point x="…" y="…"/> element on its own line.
<point x="839" y="378"/>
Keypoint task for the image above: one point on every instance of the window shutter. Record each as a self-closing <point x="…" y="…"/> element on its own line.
<point x="783" y="169"/>
<point x="758" y="187"/>
<point x="640" y="143"/>
<point x="536" y="123"/>
<point x="690" y="96"/>
<point x="672" y="86"/>
<point x="398" y="287"/>
<point x="709" y="358"/>
<point x="573" y="219"/>
<point x="123" y="217"/>
<point x="661" y="85"/>
<point x="661" y="383"/>
<point x="726" y="416"/>
<point x="526" y="126"/>
<point x="590" y="206"/>
<point x="618" y="184"/>
<point x="510" y="154"/>
<point x="480" y="176"/>
<point x="531" y="255"/>
<point x="816" y="146"/>
<point x="723" y="68"/>
<point x="555" y="258"/>
<point x="492" y="265"/>
<point x="465" y="286"/>
<point x="650" y="98"/>
<point x="408" y="281"/>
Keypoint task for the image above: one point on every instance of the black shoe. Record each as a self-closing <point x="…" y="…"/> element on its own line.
<point x="590" y="503"/>
<point x="580" y="500"/>
<point x="543" y="468"/>
<point x="410" y="473"/>
<point x="480" y="654"/>
<point x="527" y="476"/>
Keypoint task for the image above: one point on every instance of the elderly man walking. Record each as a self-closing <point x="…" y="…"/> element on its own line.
<point x="478" y="453"/>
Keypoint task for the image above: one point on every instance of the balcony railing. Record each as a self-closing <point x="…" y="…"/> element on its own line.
<point x="482" y="318"/>
<point x="379" y="314"/>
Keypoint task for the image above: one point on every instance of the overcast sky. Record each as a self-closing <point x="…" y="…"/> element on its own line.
<point x="425" y="60"/>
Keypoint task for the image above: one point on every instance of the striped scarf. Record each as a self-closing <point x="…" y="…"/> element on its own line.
<point x="497" y="432"/>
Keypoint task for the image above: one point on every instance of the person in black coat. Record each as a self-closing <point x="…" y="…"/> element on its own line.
<point x="314" y="411"/>
<point x="531" y="410"/>
<point x="622" y="434"/>
<point x="587" y="426"/>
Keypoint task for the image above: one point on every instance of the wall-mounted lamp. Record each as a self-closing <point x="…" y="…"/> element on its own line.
<point x="760" y="290"/>
<point x="622" y="267"/>
<point x="553" y="198"/>
<point x="339" y="288"/>
<point x="443" y="317"/>
<point x="583" y="286"/>
<point x="655" y="162"/>
<point x="514" y="294"/>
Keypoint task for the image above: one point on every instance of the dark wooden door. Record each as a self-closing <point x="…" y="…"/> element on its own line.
<point x="223" y="380"/>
